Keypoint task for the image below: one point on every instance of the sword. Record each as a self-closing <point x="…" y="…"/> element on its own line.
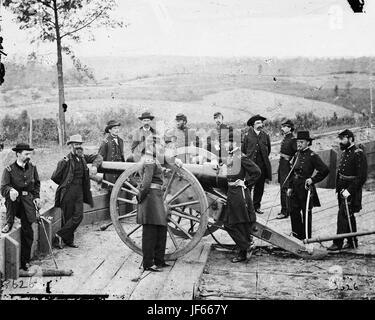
<point x="310" y="246"/>
<point x="349" y="220"/>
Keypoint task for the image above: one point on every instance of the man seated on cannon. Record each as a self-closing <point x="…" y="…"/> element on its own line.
<point x="351" y="176"/>
<point x="151" y="212"/>
<point x="239" y="214"/>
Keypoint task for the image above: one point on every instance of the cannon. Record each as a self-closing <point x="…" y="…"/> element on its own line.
<point x="194" y="197"/>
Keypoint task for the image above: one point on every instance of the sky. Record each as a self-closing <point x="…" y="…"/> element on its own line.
<point x="258" y="28"/>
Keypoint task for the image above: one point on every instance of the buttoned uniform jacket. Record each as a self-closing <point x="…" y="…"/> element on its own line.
<point x="64" y="174"/>
<point x="22" y="179"/>
<point x="306" y="163"/>
<point x="288" y="147"/>
<point x="150" y="201"/>
<point x="240" y="208"/>
<point x="219" y="135"/>
<point x="249" y="146"/>
<point x="353" y="163"/>
<point x="138" y="146"/>
<point x="112" y="151"/>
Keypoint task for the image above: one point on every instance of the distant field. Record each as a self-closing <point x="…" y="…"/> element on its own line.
<point x="197" y="95"/>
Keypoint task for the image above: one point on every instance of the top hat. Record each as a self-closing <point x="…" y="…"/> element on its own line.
<point x="181" y="116"/>
<point x="21" y="147"/>
<point x="346" y="133"/>
<point x="77" y="138"/>
<point x="304" y="135"/>
<point x="288" y="123"/>
<point x="257" y="117"/>
<point x="111" y="124"/>
<point x="146" y="115"/>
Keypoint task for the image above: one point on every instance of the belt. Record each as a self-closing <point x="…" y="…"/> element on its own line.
<point x="156" y="186"/>
<point x="24" y="193"/>
<point x="77" y="181"/>
<point x="346" y="178"/>
<point x="285" y="156"/>
<point x="298" y="176"/>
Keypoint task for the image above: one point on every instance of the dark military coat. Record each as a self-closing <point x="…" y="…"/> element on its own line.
<point x="239" y="208"/>
<point x="353" y="165"/>
<point x="306" y="163"/>
<point x="288" y="147"/>
<point x="22" y="179"/>
<point x="151" y="204"/>
<point x="64" y="174"/>
<point x="111" y="150"/>
<point x="254" y="144"/>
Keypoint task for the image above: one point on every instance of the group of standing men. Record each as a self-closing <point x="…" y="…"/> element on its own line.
<point x="248" y="169"/>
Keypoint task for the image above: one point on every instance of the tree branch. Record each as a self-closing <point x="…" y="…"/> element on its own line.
<point x="45" y="3"/>
<point x="84" y="26"/>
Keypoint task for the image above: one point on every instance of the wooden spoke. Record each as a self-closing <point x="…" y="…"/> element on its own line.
<point x="183" y="204"/>
<point x="131" y="187"/>
<point x="134" y="230"/>
<point x="182" y="229"/>
<point x="126" y="216"/>
<point x="178" y="193"/>
<point x="169" y="184"/>
<point x="183" y="215"/>
<point x="126" y="200"/>
<point x="172" y="237"/>
<point x="130" y="191"/>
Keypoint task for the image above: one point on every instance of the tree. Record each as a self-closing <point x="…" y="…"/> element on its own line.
<point x="61" y="20"/>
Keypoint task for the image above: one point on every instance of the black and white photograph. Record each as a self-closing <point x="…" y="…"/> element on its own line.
<point x="185" y="151"/>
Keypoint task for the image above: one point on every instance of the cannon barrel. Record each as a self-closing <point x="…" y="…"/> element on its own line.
<point x="205" y="173"/>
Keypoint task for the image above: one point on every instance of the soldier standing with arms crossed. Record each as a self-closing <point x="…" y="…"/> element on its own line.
<point x="350" y="178"/>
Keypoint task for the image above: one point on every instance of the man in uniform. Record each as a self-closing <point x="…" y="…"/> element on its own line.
<point x="239" y="214"/>
<point x="72" y="177"/>
<point x="287" y="150"/>
<point x="219" y="136"/>
<point x="112" y="148"/>
<point x="181" y="135"/>
<point x="140" y="135"/>
<point x="304" y="163"/>
<point x="257" y="146"/>
<point x="20" y="186"/>
<point x="351" y="176"/>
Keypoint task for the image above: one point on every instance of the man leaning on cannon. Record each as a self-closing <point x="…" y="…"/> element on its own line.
<point x="239" y="214"/>
<point x="72" y="177"/>
<point x="351" y="176"/>
<point x="20" y="186"/>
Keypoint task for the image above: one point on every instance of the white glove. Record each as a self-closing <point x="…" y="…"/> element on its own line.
<point x="93" y="170"/>
<point x="37" y="203"/>
<point x="178" y="162"/>
<point x="13" y="194"/>
<point x="289" y="192"/>
<point x="308" y="183"/>
<point x="345" y="193"/>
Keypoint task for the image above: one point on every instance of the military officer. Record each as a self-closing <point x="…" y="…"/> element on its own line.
<point x="139" y="136"/>
<point x="350" y="178"/>
<point x="112" y="148"/>
<point x="20" y="186"/>
<point x="151" y="211"/>
<point x="287" y="150"/>
<point x="72" y="177"/>
<point x="239" y="214"/>
<point x="219" y="136"/>
<point x="257" y="146"/>
<point x="304" y="164"/>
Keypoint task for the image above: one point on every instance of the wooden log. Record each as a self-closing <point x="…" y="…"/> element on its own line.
<point x="12" y="258"/>
<point x="46" y="273"/>
<point x="338" y="236"/>
<point x="2" y="257"/>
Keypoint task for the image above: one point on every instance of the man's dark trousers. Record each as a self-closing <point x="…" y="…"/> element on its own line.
<point x="154" y="239"/>
<point x="259" y="185"/>
<point x="72" y="208"/>
<point x="343" y="225"/>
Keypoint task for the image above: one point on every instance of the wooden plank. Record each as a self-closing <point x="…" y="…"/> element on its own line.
<point x="12" y="258"/>
<point x="43" y="238"/>
<point x="191" y="267"/>
<point x="2" y="257"/>
<point x="100" y="201"/>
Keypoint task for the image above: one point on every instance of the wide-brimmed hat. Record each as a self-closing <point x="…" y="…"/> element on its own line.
<point x="77" y="138"/>
<point x="22" y="147"/>
<point x="304" y="135"/>
<point x="146" y="115"/>
<point x="111" y="124"/>
<point x="257" y="117"/>
<point x="346" y="133"/>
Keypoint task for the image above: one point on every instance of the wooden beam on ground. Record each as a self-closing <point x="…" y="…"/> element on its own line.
<point x="45" y="237"/>
<point x="12" y="258"/>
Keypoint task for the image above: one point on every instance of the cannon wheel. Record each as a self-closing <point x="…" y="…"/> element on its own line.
<point x="189" y="195"/>
<point x="207" y="155"/>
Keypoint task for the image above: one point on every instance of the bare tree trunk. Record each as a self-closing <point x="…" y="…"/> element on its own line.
<point x="60" y="80"/>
